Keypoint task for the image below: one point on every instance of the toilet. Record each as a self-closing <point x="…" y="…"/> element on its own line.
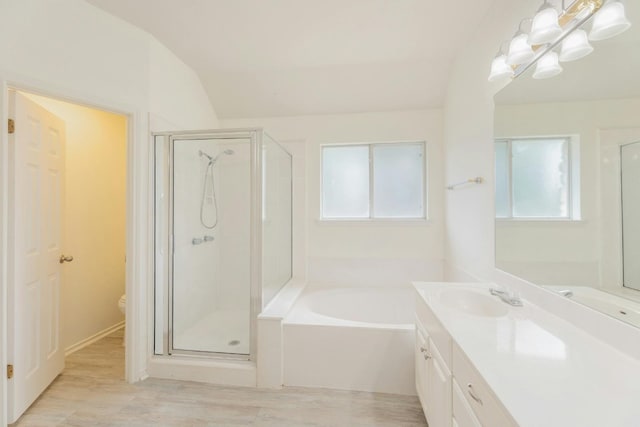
<point x="122" y="305"/>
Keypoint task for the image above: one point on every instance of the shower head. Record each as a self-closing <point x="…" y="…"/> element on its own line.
<point x="212" y="160"/>
<point x="203" y="154"/>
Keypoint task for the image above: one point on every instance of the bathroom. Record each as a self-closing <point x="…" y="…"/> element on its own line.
<point x="442" y="106"/>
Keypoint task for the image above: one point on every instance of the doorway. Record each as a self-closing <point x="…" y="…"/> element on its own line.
<point x="68" y="198"/>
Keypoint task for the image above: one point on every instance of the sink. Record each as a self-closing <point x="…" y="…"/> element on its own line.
<point x="473" y="303"/>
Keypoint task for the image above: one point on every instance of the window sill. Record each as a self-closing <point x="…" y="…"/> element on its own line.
<point x="364" y="222"/>
<point x="540" y="221"/>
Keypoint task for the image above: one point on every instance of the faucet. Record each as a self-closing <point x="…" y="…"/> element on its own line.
<point x="507" y="297"/>
<point x="566" y="293"/>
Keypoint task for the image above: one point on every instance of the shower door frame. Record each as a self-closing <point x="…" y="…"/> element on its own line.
<point x="254" y="135"/>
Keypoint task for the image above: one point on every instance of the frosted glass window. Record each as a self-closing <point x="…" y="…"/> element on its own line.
<point x="398" y="182"/>
<point x="532" y="178"/>
<point x="502" y="180"/>
<point x="373" y="181"/>
<point x="345" y="181"/>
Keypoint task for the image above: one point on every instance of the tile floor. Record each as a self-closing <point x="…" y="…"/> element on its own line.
<point x="91" y="392"/>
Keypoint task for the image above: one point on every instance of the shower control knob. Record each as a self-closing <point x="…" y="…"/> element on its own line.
<point x="64" y="259"/>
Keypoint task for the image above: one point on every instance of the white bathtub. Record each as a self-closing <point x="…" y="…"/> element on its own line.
<point x="621" y="308"/>
<point x="351" y="338"/>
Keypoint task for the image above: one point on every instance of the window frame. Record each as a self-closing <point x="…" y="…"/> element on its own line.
<point x="573" y="202"/>
<point x="371" y="218"/>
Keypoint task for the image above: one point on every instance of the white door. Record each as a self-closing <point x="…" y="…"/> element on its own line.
<point x="35" y="268"/>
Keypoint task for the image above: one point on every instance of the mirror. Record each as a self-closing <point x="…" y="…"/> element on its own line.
<point x="567" y="154"/>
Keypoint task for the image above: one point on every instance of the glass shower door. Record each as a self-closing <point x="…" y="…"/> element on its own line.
<point x="210" y="281"/>
<point x="630" y="172"/>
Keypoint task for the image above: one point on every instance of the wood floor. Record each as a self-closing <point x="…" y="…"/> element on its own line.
<point x="91" y="392"/>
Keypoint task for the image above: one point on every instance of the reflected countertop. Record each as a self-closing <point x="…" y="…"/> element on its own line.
<point x="545" y="371"/>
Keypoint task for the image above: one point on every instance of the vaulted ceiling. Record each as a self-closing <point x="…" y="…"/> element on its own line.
<point x="291" y="57"/>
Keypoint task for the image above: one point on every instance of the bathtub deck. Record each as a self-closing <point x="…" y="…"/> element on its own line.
<point x="91" y="392"/>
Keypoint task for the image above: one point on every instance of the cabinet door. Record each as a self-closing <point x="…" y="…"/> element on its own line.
<point x="438" y="401"/>
<point x="421" y="354"/>
<point x="462" y="412"/>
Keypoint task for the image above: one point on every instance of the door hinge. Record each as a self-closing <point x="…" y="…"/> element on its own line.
<point x="9" y="371"/>
<point x="12" y="126"/>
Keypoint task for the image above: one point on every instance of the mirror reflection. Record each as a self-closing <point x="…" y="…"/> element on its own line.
<point x="567" y="165"/>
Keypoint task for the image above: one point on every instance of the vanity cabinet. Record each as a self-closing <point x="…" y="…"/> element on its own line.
<point x="450" y="389"/>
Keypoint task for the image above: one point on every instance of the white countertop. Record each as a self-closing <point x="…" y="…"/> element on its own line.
<point x="545" y="371"/>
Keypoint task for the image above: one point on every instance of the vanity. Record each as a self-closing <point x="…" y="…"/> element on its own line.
<point x="483" y="362"/>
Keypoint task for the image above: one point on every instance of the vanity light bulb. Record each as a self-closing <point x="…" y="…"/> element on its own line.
<point x="609" y="21"/>
<point x="519" y="50"/>
<point x="575" y="46"/>
<point x="500" y="70"/>
<point x="545" y="27"/>
<point x="548" y="66"/>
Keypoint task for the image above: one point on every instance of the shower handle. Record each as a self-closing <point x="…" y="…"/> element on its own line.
<point x="64" y="259"/>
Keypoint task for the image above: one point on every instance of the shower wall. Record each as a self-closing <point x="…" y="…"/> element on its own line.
<point x="211" y="229"/>
<point x="197" y="265"/>
<point x="234" y="229"/>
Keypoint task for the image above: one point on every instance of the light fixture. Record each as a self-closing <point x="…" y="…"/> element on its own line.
<point x="547" y="66"/>
<point x="549" y="29"/>
<point x="609" y="21"/>
<point x="500" y="70"/>
<point x="545" y="27"/>
<point x="575" y="46"/>
<point x="520" y="50"/>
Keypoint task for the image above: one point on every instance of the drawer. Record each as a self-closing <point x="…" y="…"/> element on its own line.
<point x="426" y="320"/>
<point x="477" y="393"/>
<point x="462" y="412"/>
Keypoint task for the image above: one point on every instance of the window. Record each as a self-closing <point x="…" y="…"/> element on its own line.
<point x="533" y="178"/>
<point x="367" y="181"/>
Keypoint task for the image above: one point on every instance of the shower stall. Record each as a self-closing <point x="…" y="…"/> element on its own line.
<point x="223" y="239"/>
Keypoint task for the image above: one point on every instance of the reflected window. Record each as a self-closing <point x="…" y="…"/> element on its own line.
<point x="533" y="178"/>
<point x="371" y="181"/>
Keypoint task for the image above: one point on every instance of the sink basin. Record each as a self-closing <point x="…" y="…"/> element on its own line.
<point x="473" y="303"/>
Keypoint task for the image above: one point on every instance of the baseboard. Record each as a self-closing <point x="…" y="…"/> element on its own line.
<point x="93" y="338"/>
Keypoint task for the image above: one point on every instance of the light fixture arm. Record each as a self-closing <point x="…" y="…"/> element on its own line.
<point x="543" y="50"/>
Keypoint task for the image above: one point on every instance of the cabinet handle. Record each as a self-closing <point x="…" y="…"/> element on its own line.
<point x="473" y="394"/>
<point x="423" y="350"/>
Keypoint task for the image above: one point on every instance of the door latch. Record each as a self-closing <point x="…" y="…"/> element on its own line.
<point x="64" y="259"/>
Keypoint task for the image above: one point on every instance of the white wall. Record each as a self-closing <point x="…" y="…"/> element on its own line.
<point x="70" y="49"/>
<point x="366" y="252"/>
<point x="469" y="142"/>
<point x="469" y="152"/>
<point x="566" y="252"/>
<point x="82" y="51"/>
<point x="95" y="219"/>
<point x="176" y="95"/>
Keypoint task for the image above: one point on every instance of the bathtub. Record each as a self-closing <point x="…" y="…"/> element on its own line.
<point x="351" y="338"/>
